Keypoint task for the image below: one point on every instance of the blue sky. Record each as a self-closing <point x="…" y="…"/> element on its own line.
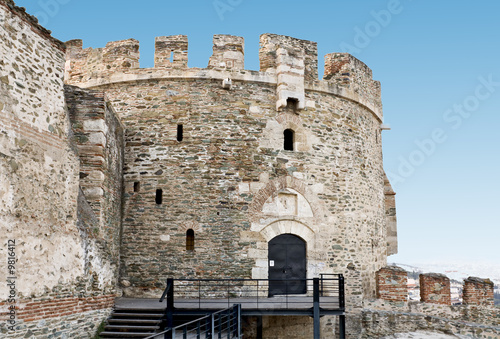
<point x="439" y="65"/>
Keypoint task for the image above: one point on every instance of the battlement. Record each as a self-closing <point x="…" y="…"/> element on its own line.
<point x="290" y="63"/>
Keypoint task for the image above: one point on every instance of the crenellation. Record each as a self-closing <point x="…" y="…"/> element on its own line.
<point x="478" y="291"/>
<point x="73" y="48"/>
<point x="228" y="53"/>
<point x="392" y="284"/>
<point x="171" y="51"/>
<point x="347" y="71"/>
<point x="435" y="288"/>
<point x="121" y="55"/>
<point x="290" y="63"/>
<point x="269" y="44"/>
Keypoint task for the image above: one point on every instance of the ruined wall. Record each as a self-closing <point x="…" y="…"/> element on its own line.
<point x="383" y="318"/>
<point x="435" y="288"/>
<point x="98" y="135"/>
<point x="478" y="291"/>
<point x="58" y="271"/>
<point x="392" y="284"/>
<point x="388" y="315"/>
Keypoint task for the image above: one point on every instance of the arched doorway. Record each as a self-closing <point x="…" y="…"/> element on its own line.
<point x="287" y="265"/>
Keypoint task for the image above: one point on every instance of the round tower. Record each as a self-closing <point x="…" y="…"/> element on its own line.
<point x="223" y="164"/>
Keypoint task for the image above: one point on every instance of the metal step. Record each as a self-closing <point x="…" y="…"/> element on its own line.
<point x="109" y="334"/>
<point x="134" y="321"/>
<point x="137" y="315"/>
<point x="132" y="327"/>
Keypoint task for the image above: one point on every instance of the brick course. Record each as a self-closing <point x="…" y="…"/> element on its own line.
<point x="435" y="289"/>
<point x="478" y="291"/>
<point x="392" y="284"/>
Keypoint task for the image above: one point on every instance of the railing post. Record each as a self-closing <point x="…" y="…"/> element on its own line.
<point x="321" y="290"/>
<point x="170" y="308"/>
<point x="316" y="308"/>
<point x="258" y="294"/>
<point x="259" y="326"/>
<point x="341" y="292"/>
<point x="238" y="310"/>
<point x="212" y="326"/>
<point x="342" y="307"/>
<point x="342" y="326"/>
<point x="228" y="301"/>
<point x="209" y="332"/>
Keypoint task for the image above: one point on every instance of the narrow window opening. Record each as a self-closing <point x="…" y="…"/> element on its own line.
<point x="190" y="240"/>
<point x="288" y="136"/>
<point x="179" y="132"/>
<point x="292" y="104"/>
<point x="171" y="56"/>
<point x="137" y="186"/>
<point x="159" y="196"/>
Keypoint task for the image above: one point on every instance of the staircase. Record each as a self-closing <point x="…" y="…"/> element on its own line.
<point x="130" y="322"/>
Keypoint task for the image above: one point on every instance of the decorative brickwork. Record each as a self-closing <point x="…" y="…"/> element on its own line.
<point x="478" y="291"/>
<point x="37" y="309"/>
<point x="435" y="289"/>
<point x="392" y="284"/>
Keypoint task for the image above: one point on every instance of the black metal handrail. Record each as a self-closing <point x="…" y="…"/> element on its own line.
<point x="253" y="293"/>
<point x="214" y="325"/>
<point x="324" y="295"/>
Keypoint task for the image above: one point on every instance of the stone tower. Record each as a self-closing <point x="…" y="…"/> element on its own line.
<point x="228" y="159"/>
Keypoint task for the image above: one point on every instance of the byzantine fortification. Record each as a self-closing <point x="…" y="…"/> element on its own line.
<point x="106" y="168"/>
<point x="229" y="178"/>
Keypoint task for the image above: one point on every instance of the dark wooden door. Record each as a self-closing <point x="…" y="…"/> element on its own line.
<point x="287" y="265"/>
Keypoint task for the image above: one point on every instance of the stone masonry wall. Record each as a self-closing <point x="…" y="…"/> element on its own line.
<point x="38" y="170"/>
<point x="391" y="219"/>
<point x="56" y="265"/>
<point x="228" y="177"/>
<point x="383" y="318"/>
<point x="388" y="315"/>
<point x="345" y="70"/>
<point x="98" y="135"/>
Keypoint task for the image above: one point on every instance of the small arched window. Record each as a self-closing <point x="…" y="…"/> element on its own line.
<point x="289" y="136"/>
<point x="190" y="240"/>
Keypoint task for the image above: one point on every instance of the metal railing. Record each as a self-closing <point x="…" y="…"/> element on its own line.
<point x="255" y="293"/>
<point x="225" y="323"/>
<point x="312" y="297"/>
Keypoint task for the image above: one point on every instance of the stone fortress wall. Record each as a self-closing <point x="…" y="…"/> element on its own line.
<point x="229" y="178"/>
<point x="391" y="312"/>
<point x="59" y="240"/>
<point x="102" y="178"/>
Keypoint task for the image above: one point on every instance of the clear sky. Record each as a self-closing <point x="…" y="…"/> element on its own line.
<point x="439" y="65"/>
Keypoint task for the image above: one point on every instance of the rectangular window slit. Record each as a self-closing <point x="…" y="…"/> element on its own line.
<point x="137" y="186"/>
<point x="179" y="132"/>
<point x="159" y="196"/>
